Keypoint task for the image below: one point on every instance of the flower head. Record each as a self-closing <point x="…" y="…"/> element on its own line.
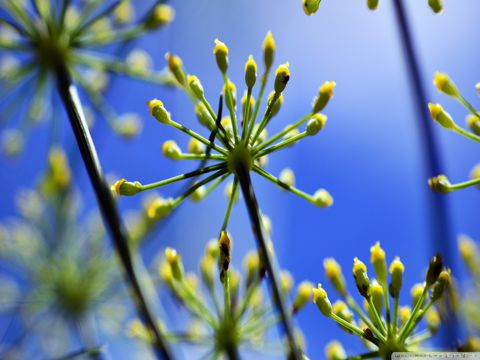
<point x="37" y="40"/>
<point x="384" y="329"/>
<point x="235" y="146"/>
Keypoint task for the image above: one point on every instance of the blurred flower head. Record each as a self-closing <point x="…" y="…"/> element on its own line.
<point x="38" y="37"/>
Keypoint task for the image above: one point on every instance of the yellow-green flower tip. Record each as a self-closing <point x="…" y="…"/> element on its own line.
<point x="444" y="85"/>
<point x="159" y="208"/>
<point x="160" y="16"/>
<point x="135" y="329"/>
<point x="124" y="13"/>
<point x="165" y="272"/>
<point x="173" y="259"/>
<point x="444" y="280"/>
<point x="268" y="50"/>
<point x="359" y="266"/>
<point x="432" y="319"/>
<point x="473" y="122"/>
<point x="195" y="86"/>
<point x="440" y="184"/>
<point x="404" y="313"/>
<point x="287" y="176"/>
<point x="396" y="272"/>
<point x="304" y="294"/>
<point x="320" y="298"/>
<point x="468" y="251"/>
<point x="278" y="104"/>
<point x="315" y="124"/>
<point x="436" y="5"/>
<point x="175" y="65"/>
<point x="126" y="188"/>
<point x="171" y="150"/>
<point x="196" y="147"/>
<point x="282" y="75"/>
<point x="372" y="4"/>
<point x="335" y="351"/>
<point x="475" y="172"/>
<point x="325" y="93"/>
<point x="250" y="72"/>
<point x="322" y="198"/>
<point x="333" y="272"/>
<point x="361" y="278"/>
<point x="341" y="309"/>
<point x="221" y="55"/>
<point x="286" y="281"/>
<point x="376" y="291"/>
<point x="377" y="258"/>
<point x="158" y="111"/>
<point x="310" y="7"/>
<point x="416" y="292"/>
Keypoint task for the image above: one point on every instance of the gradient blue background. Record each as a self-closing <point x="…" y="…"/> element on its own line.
<point x="368" y="156"/>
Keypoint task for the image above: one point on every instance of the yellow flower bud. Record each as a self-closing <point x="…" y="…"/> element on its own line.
<point x="376" y="291"/>
<point x="404" y="313"/>
<point x="315" y="124"/>
<point x="361" y="278"/>
<point x="278" y="104"/>
<point x="416" y="292"/>
<point x="441" y="116"/>
<point x="173" y="259"/>
<point x="124" y="13"/>
<point x="372" y="4"/>
<point x="322" y="198"/>
<point x="135" y="329"/>
<point x="444" y="84"/>
<point x="207" y="268"/>
<point x="436" y="5"/>
<point x="468" y="252"/>
<point x="282" y="75"/>
<point x="127" y="188"/>
<point x="159" y="208"/>
<point x="335" y="351"/>
<point x="267" y="224"/>
<point x="287" y="176"/>
<point x="196" y="147"/>
<point x="250" y="72"/>
<point x="396" y="273"/>
<point x="158" y="111"/>
<point x="221" y="55"/>
<point x="320" y="298"/>
<point x="377" y="258"/>
<point x="199" y="193"/>
<point x="165" y="271"/>
<point x="251" y="264"/>
<point x="439" y="184"/>
<point x="286" y="281"/>
<point x="477" y="87"/>
<point x="334" y="274"/>
<point x="310" y="7"/>
<point x="432" y="318"/>
<point x="341" y="310"/>
<point x="212" y="249"/>
<point x="203" y="115"/>
<point x="175" y="65"/>
<point x="233" y="91"/>
<point x="475" y="172"/>
<point x="444" y="279"/>
<point x="304" y="294"/>
<point x="171" y="150"/>
<point x="473" y="122"/>
<point x="160" y="16"/>
<point x="325" y="93"/>
<point x="195" y="87"/>
<point x="268" y="50"/>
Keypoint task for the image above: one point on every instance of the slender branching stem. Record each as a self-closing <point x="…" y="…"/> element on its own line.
<point x="69" y="96"/>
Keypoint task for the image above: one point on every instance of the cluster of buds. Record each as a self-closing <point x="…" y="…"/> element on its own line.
<point x="229" y="311"/>
<point x="310" y="7"/>
<point x="36" y="39"/>
<point x="446" y="86"/>
<point x="237" y="143"/>
<point x="382" y="330"/>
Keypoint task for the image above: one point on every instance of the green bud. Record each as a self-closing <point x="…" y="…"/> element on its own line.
<point x="250" y="72"/>
<point x="195" y="87"/>
<point x="268" y="50"/>
<point x="473" y="122"/>
<point x="434" y="269"/>
<point x="160" y="16"/>
<point x="221" y="55"/>
<point x="396" y="272"/>
<point x="436" y="5"/>
<point x="315" y="124"/>
<point x="173" y="259"/>
<point x="444" y="279"/>
<point x="127" y="188"/>
<point x="372" y="4"/>
<point x="282" y="75"/>
<point x="310" y="7"/>
<point x="439" y="184"/>
<point x="320" y="298"/>
<point x="441" y="116"/>
<point x="361" y="278"/>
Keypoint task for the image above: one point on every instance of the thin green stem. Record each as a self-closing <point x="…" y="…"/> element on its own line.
<point x="466" y="133"/>
<point x="281" y="145"/>
<point x="266" y="118"/>
<point x="464" y="184"/>
<point x="370" y="355"/>
<point x="190" y="156"/>
<point x="395" y="315"/>
<point x="376" y="316"/>
<point x="231" y="107"/>
<point x="259" y="101"/>
<point x="182" y="176"/>
<point x="469" y="106"/>
<point x="195" y="186"/>
<point x="353" y="304"/>
<point x="196" y="305"/>
<point x="415" y="311"/>
<point x="345" y="324"/>
<point x="281" y="184"/>
<point x="419" y="338"/>
<point x="246" y="114"/>
<point x="416" y="320"/>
